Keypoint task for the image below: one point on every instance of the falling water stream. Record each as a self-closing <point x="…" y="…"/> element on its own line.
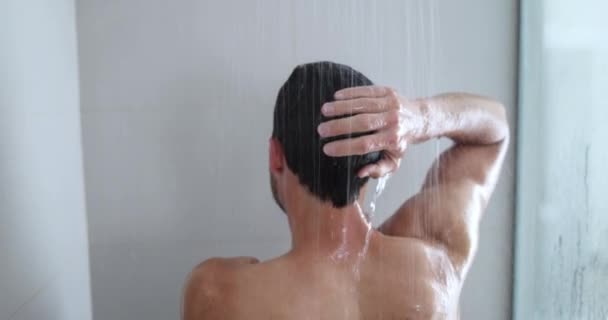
<point x="368" y="214"/>
<point x="420" y="37"/>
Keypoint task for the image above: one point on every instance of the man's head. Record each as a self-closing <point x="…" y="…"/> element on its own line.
<point x="295" y="139"/>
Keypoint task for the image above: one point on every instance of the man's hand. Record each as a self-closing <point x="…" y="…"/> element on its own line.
<point x="392" y="121"/>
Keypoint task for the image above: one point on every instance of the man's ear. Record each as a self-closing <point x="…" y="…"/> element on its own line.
<point x="276" y="158"/>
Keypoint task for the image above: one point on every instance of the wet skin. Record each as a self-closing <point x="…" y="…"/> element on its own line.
<point x="414" y="264"/>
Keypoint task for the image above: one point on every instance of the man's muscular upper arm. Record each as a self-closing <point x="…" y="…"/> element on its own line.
<point x="448" y="209"/>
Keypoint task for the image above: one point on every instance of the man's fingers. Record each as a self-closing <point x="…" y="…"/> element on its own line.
<point x="356" y="106"/>
<point x="382" y="168"/>
<point x="362" y="92"/>
<point x="359" y="123"/>
<point x="365" y="171"/>
<point x="361" y="145"/>
<point x="379" y="169"/>
<point x="356" y="146"/>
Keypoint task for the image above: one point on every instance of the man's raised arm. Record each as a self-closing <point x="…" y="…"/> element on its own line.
<point x="447" y="210"/>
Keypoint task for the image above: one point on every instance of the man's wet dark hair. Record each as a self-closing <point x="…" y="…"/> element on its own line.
<point x="297" y="114"/>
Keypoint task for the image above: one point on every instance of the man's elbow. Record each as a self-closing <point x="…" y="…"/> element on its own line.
<point x="500" y="124"/>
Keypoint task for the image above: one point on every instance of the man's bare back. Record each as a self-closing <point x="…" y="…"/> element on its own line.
<point x="414" y="264"/>
<point x="398" y="279"/>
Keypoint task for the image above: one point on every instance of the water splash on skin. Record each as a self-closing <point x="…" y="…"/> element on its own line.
<point x="379" y="189"/>
<point x="369" y="216"/>
<point x="342" y="252"/>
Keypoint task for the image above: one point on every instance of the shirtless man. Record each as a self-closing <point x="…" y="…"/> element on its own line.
<point x="332" y="131"/>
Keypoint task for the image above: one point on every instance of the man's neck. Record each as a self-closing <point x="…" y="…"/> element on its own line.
<point x="324" y="231"/>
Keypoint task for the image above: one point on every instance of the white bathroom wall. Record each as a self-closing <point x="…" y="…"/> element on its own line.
<point x="44" y="263"/>
<point x="177" y="100"/>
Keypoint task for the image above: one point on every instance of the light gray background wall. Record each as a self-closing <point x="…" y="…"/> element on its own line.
<point x="177" y="98"/>
<point x="44" y="263"/>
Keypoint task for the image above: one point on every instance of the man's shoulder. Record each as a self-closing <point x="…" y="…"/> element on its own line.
<point x="211" y="285"/>
<point x="214" y="273"/>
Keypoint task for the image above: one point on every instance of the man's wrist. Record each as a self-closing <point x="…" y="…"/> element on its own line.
<point x="424" y="128"/>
